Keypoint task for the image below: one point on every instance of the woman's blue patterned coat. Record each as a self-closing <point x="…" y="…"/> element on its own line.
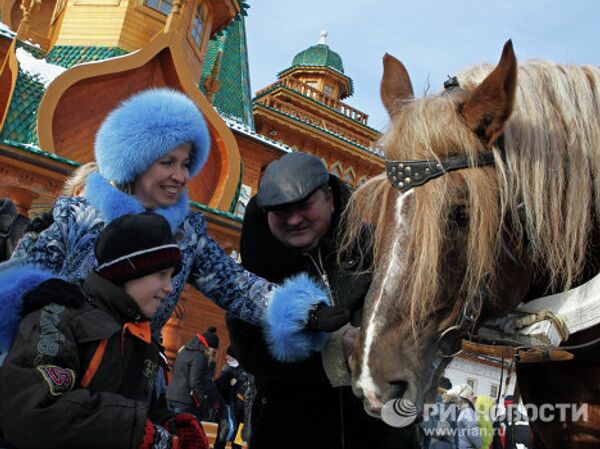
<point x="67" y="248"/>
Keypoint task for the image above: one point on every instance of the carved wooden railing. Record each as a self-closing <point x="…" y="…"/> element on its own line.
<point x="316" y="94"/>
<point x="294" y="111"/>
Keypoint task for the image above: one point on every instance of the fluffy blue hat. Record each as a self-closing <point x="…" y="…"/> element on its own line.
<point x="146" y="127"/>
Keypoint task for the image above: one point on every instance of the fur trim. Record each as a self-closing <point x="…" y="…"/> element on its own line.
<point x="146" y="127"/>
<point x="286" y="318"/>
<point x="112" y="203"/>
<point x="16" y="283"/>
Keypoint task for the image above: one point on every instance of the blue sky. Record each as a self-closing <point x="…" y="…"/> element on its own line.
<point x="432" y="38"/>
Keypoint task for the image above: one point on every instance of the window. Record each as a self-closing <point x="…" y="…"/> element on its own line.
<point x="60" y="6"/>
<point x="328" y="90"/>
<point x="243" y="199"/>
<point x="349" y="176"/>
<point x="494" y="391"/>
<point x="336" y="170"/>
<point x="163" y="6"/>
<point x="472" y="383"/>
<point x="198" y="26"/>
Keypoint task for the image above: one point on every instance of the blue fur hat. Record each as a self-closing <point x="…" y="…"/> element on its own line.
<point x="146" y="127"/>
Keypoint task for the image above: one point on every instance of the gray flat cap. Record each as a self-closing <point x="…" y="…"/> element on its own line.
<point x="290" y="179"/>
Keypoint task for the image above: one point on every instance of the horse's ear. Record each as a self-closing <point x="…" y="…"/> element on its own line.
<point x="395" y="84"/>
<point x="492" y="101"/>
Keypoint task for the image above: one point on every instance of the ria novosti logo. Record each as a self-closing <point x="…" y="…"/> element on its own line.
<point x="546" y="412"/>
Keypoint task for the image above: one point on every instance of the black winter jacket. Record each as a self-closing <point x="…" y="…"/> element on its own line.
<point x="12" y="228"/>
<point x="192" y="374"/>
<point x="295" y="405"/>
<point x="43" y="403"/>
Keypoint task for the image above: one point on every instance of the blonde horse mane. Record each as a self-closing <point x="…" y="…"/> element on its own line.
<point x="551" y="171"/>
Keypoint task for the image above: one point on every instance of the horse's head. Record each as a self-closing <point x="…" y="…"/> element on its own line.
<point x="444" y="250"/>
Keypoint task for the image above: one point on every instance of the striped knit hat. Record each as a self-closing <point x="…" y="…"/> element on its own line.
<point x="133" y="246"/>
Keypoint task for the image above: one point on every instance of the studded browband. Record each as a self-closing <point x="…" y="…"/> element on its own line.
<point x="405" y="175"/>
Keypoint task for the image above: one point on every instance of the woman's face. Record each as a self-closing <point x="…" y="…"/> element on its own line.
<point x="162" y="184"/>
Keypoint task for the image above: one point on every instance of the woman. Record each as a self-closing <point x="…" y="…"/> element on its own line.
<point x="468" y="434"/>
<point x="147" y="149"/>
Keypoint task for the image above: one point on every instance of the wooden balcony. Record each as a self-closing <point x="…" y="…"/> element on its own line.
<point x="316" y="94"/>
<point x="294" y="111"/>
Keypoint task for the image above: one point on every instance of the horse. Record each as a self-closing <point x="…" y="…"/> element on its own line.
<point x="491" y="198"/>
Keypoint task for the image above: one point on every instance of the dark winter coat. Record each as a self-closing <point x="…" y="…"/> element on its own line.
<point x="295" y="405"/>
<point x="192" y="374"/>
<point x="43" y="403"/>
<point x="12" y="228"/>
<point x="233" y="395"/>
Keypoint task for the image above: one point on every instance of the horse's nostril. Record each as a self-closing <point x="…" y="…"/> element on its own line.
<point x="400" y="386"/>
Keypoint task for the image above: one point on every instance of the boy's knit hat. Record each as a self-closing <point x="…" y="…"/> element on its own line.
<point x="146" y="127"/>
<point x="135" y="245"/>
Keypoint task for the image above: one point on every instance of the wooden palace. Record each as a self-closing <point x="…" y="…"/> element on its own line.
<point x="64" y="64"/>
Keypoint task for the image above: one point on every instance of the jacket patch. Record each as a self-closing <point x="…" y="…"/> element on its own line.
<point x="59" y="380"/>
<point x="50" y="335"/>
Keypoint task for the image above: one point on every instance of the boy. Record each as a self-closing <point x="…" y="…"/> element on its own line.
<point x="81" y="369"/>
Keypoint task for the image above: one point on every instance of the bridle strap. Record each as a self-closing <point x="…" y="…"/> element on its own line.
<point x="405" y="175"/>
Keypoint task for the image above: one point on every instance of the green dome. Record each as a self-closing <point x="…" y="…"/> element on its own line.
<point x="319" y="55"/>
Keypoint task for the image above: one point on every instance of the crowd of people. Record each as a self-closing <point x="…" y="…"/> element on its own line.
<point x="459" y="419"/>
<point x="90" y="284"/>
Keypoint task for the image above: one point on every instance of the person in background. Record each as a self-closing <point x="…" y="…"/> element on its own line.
<point x="468" y="434"/>
<point x="81" y="368"/>
<point x="290" y="227"/>
<point x="512" y="427"/>
<point x="232" y="384"/>
<point x="73" y="187"/>
<point x="484" y="406"/>
<point x="439" y="426"/>
<point x="192" y="388"/>
<point x="12" y="227"/>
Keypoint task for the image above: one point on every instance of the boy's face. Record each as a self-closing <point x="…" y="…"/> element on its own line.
<point x="149" y="291"/>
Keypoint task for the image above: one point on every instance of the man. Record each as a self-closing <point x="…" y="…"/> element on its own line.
<point x="289" y="228"/>
<point x="12" y="227"/>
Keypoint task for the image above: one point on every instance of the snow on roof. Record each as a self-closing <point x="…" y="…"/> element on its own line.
<point x="39" y="69"/>
<point x="245" y="129"/>
<point x="6" y="31"/>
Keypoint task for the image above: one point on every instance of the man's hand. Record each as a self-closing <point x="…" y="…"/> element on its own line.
<point x="324" y="318"/>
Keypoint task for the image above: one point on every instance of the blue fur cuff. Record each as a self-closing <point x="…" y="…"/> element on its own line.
<point x="286" y="318"/>
<point x="16" y="282"/>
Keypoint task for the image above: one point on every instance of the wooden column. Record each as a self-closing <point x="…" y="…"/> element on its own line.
<point x="28" y="7"/>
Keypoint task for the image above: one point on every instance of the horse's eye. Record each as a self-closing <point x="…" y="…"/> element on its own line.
<point x="459" y="216"/>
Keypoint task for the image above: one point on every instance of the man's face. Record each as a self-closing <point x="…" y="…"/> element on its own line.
<point x="302" y="225"/>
